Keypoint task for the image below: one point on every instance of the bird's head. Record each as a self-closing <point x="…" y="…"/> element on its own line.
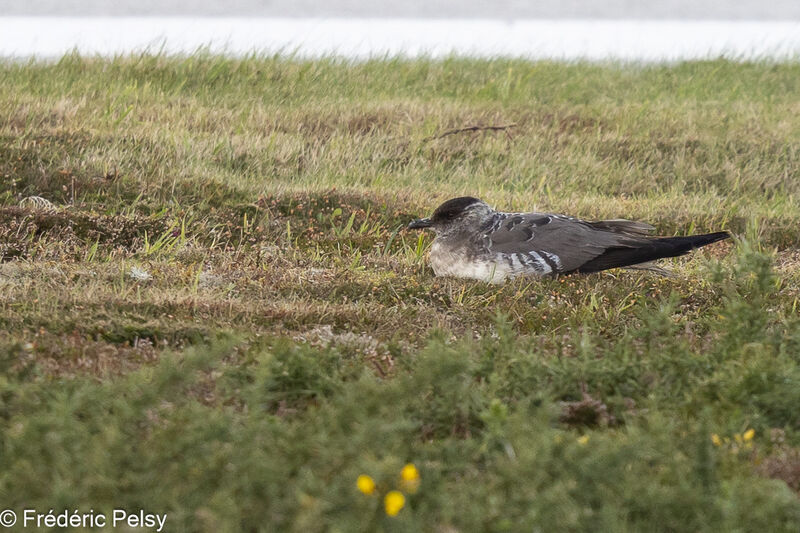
<point x="454" y="215"/>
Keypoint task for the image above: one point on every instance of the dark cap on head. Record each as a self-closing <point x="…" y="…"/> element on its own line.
<point x="452" y="208"/>
<point x="446" y="212"/>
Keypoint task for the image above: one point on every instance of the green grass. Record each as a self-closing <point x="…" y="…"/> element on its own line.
<point x="221" y="318"/>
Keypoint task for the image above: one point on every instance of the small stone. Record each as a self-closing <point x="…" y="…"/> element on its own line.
<point x="138" y="274"/>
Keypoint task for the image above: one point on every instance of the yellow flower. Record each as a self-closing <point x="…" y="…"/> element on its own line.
<point x="409" y="472"/>
<point x="749" y="434"/>
<point x="582" y="440"/>
<point x="393" y="502"/>
<point x="738" y="438"/>
<point x="716" y="440"/>
<point x="409" y="478"/>
<point x="365" y="484"/>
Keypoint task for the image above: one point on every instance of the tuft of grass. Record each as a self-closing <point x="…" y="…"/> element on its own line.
<point x="289" y="337"/>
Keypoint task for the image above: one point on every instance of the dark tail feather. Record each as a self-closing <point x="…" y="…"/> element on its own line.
<point x="649" y="251"/>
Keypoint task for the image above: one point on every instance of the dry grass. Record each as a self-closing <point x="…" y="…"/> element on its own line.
<point x="263" y="200"/>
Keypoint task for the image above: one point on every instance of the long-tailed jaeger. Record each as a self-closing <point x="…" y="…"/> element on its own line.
<point x="475" y="241"/>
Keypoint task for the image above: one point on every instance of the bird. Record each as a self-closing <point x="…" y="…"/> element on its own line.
<point x="475" y="241"/>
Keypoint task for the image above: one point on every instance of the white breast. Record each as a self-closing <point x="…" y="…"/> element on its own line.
<point x="447" y="261"/>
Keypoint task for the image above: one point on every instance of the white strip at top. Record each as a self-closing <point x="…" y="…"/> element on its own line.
<point x="558" y="39"/>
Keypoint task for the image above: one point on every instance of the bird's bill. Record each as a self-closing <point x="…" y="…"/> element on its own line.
<point x="420" y="223"/>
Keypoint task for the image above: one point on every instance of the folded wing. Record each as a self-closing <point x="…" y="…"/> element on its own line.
<point x="560" y="244"/>
<point x="565" y="243"/>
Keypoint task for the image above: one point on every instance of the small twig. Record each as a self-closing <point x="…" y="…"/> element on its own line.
<point x="378" y="367"/>
<point x="471" y="129"/>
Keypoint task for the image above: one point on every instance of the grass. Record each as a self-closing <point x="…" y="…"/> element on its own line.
<point x="221" y="319"/>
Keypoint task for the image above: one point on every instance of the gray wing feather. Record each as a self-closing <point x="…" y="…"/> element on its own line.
<point x="572" y="241"/>
<point x="620" y="225"/>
